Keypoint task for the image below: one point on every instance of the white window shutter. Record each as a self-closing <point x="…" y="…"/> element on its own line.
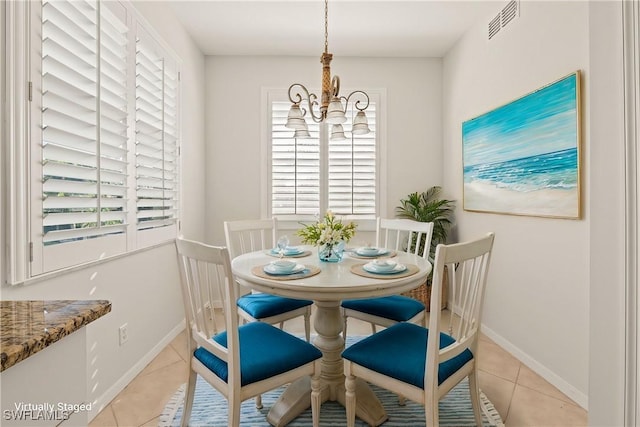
<point x="96" y="84"/>
<point x="352" y="169"/>
<point x="84" y="127"/>
<point x="295" y="166"/>
<point x="156" y="135"/>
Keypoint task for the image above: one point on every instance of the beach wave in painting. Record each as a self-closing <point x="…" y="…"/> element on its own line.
<point x="550" y="170"/>
<point x="536" y="185"/>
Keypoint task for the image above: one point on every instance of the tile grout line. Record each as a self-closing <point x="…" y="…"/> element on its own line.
<point x="515" y="383"/>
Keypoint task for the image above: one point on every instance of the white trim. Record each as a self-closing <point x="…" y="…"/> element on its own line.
<point x="16" y="161"/>
<point x="631" y="44"/>
<point x="90" y="264"/>
<point x="573" y="393"/>
<point x="102" y="401"/>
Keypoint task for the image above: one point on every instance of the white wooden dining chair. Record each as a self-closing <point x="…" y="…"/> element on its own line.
<point x="428" y="363"/>
<point x="242" y="361"/>
<point x="398" y="235"/>
<point x="253" y="235"/>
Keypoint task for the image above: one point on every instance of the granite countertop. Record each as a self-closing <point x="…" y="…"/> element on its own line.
<point x="26" y="327"/>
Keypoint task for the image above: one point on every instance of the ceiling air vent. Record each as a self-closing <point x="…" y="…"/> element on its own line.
<point x="506" y="15"/>
<point x="494" y="26"/>
<point x="510" y="11"/>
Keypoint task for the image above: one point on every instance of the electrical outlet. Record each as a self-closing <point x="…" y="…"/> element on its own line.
<point x="124" y="334"/>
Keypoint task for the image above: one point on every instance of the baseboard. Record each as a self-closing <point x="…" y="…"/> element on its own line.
<point x="102" y="401"/>
<point x="566" y="388"/>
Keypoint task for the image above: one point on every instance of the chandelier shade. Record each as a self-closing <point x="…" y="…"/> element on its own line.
<point x="337" y="133"/>
<point x="332" y="107"/>
<point x="360" y="124"/>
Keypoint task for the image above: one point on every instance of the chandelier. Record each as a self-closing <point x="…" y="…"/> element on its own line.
<point x="330" y="109"/>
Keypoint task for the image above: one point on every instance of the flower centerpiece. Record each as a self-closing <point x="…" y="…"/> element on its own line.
<point x="329" y="234"/>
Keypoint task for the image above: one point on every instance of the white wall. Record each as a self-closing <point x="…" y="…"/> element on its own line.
<point x="233" y="124"/>
<point x="537" y="302"/>
<point x="143" y="287"/>
<point x="607" y="217"/>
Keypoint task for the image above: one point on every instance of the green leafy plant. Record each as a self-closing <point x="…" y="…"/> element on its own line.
<point x="327" y="231"/>
<point x="429" y="207"/>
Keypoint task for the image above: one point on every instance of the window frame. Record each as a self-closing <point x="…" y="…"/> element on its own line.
<point x="24" y="258"/>
<point x="292" y="222"/>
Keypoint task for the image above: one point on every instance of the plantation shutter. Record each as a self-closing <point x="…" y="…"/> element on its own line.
<point x="84" y="126"/>
<point x="352" y="169"/>
<point x="156" y="135"/>
<point x="295" y="166"/>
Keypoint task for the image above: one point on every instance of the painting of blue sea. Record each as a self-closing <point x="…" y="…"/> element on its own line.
<point x="523" y="158"/>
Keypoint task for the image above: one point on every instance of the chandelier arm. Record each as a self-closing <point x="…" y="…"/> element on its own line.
<point x="335" y="85"/>
<point x="357" y="103"/>
<point x="296" y="97"/>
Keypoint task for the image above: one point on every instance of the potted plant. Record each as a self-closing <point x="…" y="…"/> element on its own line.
<point x="428" y="206"/>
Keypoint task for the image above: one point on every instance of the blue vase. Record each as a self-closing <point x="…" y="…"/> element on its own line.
<point x="331" y="252"/>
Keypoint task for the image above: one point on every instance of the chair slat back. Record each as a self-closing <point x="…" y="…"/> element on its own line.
<point x="250" y="235"/>
<point x="404" y="235"/>
<point x="205" y="272"/>
<point x="467" y="264"/>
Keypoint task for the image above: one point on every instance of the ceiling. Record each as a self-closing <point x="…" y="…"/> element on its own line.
<point x="391" y="28"/>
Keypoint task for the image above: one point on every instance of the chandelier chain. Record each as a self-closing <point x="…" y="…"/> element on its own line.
<point x="326" y="26"/>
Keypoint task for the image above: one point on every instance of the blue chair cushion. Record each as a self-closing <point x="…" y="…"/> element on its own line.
<point x="395" y="307"/>
<point x="400" y="352"/>
<point x="265" y="351"/>
<point x="260" y="306"/>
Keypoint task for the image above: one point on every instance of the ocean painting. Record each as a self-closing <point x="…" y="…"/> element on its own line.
<point x="523" y="158"/>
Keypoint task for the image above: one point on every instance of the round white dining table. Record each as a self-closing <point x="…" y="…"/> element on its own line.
<point x="335" y="282"/>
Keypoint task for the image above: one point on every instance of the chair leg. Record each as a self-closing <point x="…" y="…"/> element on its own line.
<point x="259" y="401"/>
<point x="188" y="398"/>
<point x="475" y="396"/>
<point x="234" y="411"/>
<point x="373" y="328"/>
<point x="316" y="395"/>
<point x="431" y="413"/>
<point x="281" y="325"/>
<point x="307" y="324"/>
<point x="402" y="400"/>
<point x="350" y="399"/>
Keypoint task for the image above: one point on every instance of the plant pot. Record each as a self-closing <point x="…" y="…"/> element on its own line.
<point x="423" y="292"/>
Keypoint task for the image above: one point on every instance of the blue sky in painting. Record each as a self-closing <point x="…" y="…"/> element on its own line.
<point x="541" y="122"/>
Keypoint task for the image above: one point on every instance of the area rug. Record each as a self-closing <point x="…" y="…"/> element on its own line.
<point x="210" y="409"/>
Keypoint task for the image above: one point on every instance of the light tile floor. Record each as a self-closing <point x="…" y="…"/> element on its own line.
<point x="521" y="397"/>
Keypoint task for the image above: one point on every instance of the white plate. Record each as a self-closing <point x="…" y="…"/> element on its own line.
<point x="378" y="252"/>
<point x="270" y="269"/>
<point x="289" y="251"/>
<point x="371" y="268"/>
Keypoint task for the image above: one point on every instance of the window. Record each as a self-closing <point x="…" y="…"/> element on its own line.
<point x="311" y="175"/>
<point x="102" y="135"/>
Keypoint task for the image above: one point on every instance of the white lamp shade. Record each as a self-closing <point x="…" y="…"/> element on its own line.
<point x="295" y="112"/>
<point x="295" y="119"/>
<point x="296" y="124"/>
<point x="335" y="113"/>
<point x="337" y="133"/>
<point x="301" y="133"/>
<point x="360" y="124"/>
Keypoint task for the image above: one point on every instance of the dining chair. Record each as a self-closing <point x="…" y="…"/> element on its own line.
<point x="242" y="361"/>
<point x="253" y="235"/>
<point x="398" y="235"/>
<point x="426" y="363"/>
